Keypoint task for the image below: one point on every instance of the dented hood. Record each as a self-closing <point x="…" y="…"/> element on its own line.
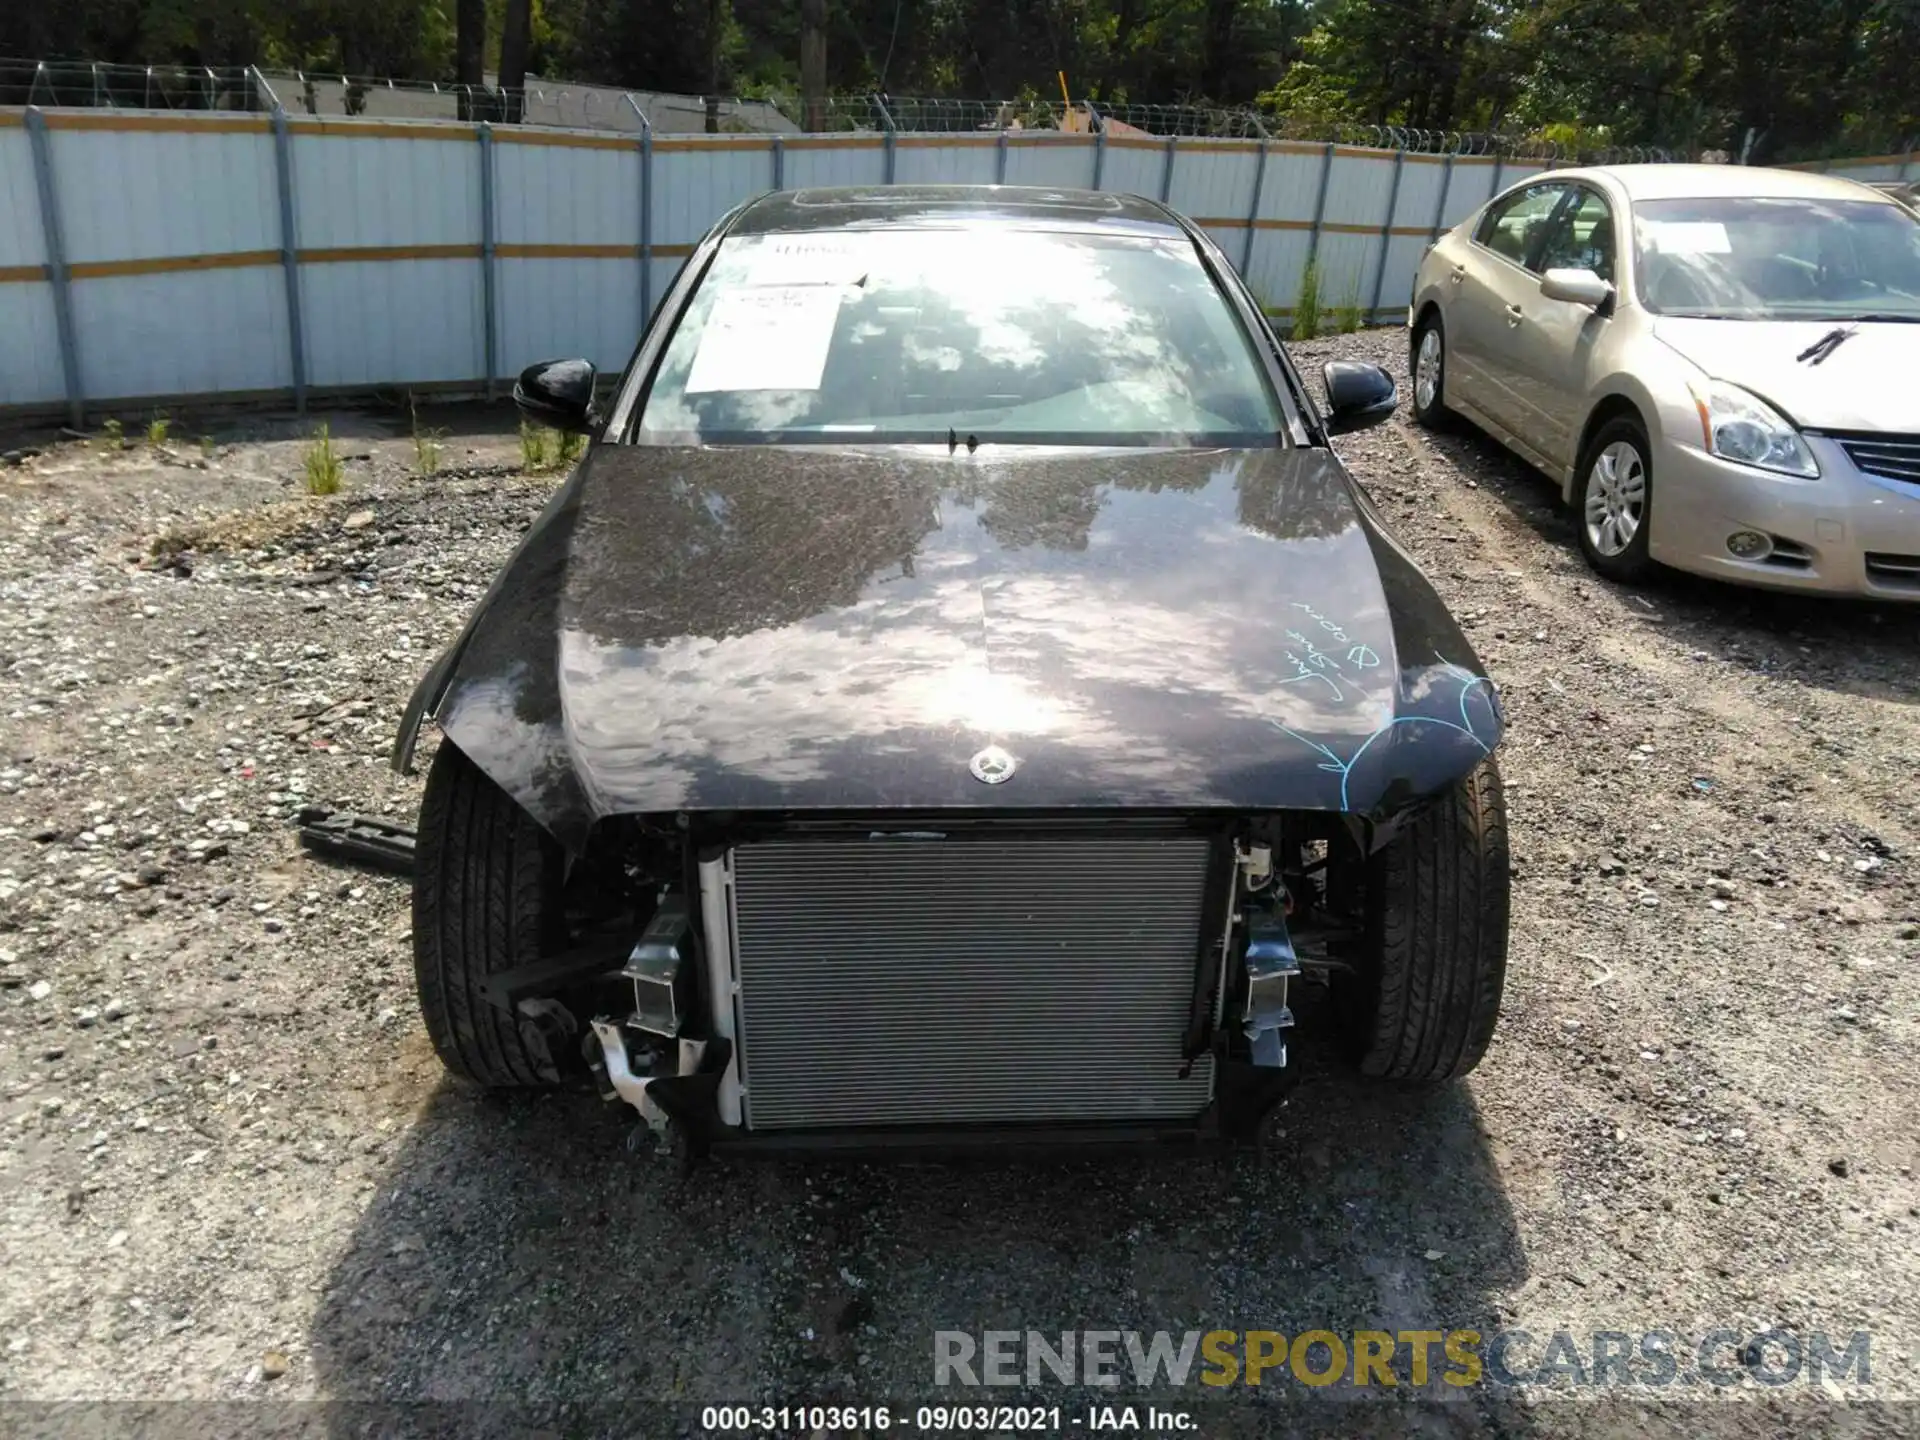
<point x="822" y="628"/>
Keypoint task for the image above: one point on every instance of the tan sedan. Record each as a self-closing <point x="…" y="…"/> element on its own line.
<point x="1719" y="365"/>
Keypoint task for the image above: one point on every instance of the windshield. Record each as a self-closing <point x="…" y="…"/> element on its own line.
<point x="986" y="335"/>
<point x="1766" y="259"/>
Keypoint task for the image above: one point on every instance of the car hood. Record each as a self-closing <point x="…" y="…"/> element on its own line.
<point x="804" y="628"/>
<point x="1865" y="384"/>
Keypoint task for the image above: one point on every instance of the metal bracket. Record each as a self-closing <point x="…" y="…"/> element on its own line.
<point x="658" y="969"/>
<point x="625" y="1084"/>
<point x="1271" y="963"/>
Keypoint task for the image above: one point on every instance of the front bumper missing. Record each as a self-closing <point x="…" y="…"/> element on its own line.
<point x="692" y="1086"/>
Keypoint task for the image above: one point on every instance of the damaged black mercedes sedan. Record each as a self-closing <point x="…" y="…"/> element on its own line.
<point x="957" y="697"/>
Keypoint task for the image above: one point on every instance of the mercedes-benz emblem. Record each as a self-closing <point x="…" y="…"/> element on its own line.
<point x="993" y="765"/>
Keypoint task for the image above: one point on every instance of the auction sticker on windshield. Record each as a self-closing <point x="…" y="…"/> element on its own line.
<point x="1688" y="237"/>
<point x="766" y="337"/>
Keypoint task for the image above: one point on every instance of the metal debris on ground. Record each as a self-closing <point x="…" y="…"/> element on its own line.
<point x="358" y="839"/>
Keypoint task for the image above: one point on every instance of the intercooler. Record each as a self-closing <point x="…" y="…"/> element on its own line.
<point x="969" y="978"/>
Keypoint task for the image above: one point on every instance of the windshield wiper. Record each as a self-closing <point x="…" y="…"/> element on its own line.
<point x="1823" y="347"/>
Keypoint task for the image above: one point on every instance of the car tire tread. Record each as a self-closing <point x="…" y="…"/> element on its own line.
<point x="1436" y="937"/>
<point x="484" y="900"/>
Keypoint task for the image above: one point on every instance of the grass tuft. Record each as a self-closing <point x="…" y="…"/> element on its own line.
<point x="322" y="464"/>
<point x="544" y="449"/>
<point x="1351" y="315"/>
<point x="427" y="448"/>
<point x="533" y="447"/>
<point x="114" y="433"/>
<point x="157" y="429"/>
<point x="1306" y="306"/>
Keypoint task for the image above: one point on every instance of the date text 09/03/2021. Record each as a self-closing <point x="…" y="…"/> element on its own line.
<point x="943" y="1419"/>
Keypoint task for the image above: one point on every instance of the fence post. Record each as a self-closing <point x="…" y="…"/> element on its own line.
<point x="290" y="255"/>
<point x="1253" y="212"/>
<point x="58" y="274"/>
<point x="886" y="119"/>
<point x="1320" y="203"/>
<point x="1499" y="169"/>
<point x="646" y="214"/>
<point x="779" y="162"/>
<point x="486" y="249"/>
<point x="1386" y="234"/>
<point x="1099" y="145"/>
<point x="1000" y="160"/>
<point x="1906" y="165"/>
<point x="1440" y="210"/>
<point x="1166" y="170"/>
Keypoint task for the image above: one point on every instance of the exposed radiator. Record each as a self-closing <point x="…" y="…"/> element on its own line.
<point x="968" y="979"/>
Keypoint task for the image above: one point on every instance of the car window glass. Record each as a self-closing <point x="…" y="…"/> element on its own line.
<point x="1011" y="336"/>
<point x="1513" y="224"/>
<point x="1777" y="257"/>
<point x="1582" y="239"/>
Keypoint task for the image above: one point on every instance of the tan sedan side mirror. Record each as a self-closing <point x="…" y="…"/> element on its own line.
<point x="1582" y="287"/>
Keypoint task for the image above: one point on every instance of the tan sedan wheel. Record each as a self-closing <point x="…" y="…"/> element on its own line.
<point x="1613" y="500"/>
<point x="1430" y="374"/>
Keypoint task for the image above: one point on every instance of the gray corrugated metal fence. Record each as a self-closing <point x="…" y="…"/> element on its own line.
<point x="160" y="258"/>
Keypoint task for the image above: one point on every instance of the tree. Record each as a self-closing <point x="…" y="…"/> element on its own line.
<point x="813" y="63"/>
<point x="516" y="38"/>
<point x="470" y="53"/>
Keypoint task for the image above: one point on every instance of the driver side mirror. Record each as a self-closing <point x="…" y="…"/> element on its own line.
<point x="557" y="394"/>
<point x="1581" y="287"/>
<point x="1358" y="396"/>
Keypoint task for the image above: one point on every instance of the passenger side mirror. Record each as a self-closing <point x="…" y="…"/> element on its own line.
<point x="557" y="394"/>
<point x="1582" y="287"/>
<point x="1358" y="396"/>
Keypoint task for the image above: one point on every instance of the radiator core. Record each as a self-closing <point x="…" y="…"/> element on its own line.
<point x="969" y="979"/>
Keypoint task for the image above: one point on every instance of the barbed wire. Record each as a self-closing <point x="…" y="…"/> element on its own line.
<point x="583" y="106"/>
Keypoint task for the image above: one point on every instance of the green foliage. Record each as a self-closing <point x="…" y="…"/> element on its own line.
<point x="534" y="450"/>
<point x="157" y="430"/>
<point x="1306" y="305"/>
<point x="113" y="434"/>
<point x="544" y="449"/>
<point x="321" y="464"/>
<point x="207" y="447"/>
<point x="1796" y="76"/>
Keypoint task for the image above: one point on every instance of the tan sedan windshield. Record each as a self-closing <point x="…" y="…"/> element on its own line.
<point x="1747" y="258"/>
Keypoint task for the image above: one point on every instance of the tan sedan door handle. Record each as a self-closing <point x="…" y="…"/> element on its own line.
<point x="1513" y="315"/>
<point x="1459" y="274"/>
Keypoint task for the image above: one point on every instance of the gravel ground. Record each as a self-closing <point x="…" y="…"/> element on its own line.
<point x="230" y="1167"/>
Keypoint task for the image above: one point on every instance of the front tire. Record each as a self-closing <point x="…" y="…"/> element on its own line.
<point x="1613" y="500"/>
<point x="486" y="897"/>
<point x="1430" y="374"/>
<point x="1423" y="1000"/>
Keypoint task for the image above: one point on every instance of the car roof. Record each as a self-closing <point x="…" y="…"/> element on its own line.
<point x="1695" y="182"/>
<point x="1028" y="207"/>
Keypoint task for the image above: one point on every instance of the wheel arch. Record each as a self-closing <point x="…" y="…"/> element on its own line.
<point x="1610" y="406"/>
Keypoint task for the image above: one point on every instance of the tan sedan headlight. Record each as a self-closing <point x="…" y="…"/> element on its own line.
<point x="1741" y="427"/>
